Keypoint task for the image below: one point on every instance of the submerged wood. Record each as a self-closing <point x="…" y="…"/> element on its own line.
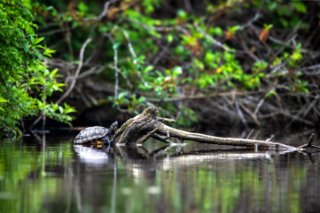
<point x="148" y="124"/>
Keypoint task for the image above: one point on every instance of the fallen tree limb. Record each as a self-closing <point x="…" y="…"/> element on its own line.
<point x="148" y="124"/>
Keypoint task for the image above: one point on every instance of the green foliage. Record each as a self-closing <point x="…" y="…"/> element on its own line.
<point x="162" y="57"/>
<point x="285" y="15"/>
<point x="26" y="82"/>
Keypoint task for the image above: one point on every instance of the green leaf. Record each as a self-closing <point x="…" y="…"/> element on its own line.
<point x="2" y="100"/>
<point x="234" y="29"/>
<point x="148" y="69"/>
<point x="177" y="71"/>
<point x="48" y="52"/>
<point x="271" y="93"/>
<point x="182" y="14"/>
<point x="169" y="38"/>
<point x="300" y="6"/>
<point x="38" y="40"/>
<point x="141" y="99"/>
<point x="216" y="31"/>
<point x="115" y="46"/>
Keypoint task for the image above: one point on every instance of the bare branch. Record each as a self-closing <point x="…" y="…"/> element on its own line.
<point x="115" y="63"/>
<point x="103" y="13"/>
<point x="214" y="41"/>
<point x="74" y="78"/>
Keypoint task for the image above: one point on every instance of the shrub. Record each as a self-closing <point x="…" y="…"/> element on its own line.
<point x="25" y="80"/>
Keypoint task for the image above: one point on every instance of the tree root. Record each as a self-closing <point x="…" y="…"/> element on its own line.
<point x="147" y="124"/>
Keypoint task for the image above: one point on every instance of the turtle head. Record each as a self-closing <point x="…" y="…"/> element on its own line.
<point x="113" y="127"/>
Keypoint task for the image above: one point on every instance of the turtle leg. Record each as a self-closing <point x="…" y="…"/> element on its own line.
<point x="107" y="144"/>
<point x="106" y="149"/>
<point x="106" y="140"/>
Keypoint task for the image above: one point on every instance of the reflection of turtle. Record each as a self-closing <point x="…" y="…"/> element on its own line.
<point x="96" y="136"/>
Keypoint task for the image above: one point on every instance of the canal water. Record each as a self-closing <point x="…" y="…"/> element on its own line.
<point x="46" y="173"/>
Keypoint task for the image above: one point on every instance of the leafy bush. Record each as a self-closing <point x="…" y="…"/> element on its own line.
<point x="25" y="81"/>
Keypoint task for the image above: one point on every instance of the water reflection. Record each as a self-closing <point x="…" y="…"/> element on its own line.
<point x="92" y="156"/>
<point x="51" y="175"/>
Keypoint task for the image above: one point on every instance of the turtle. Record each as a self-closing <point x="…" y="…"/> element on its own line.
<point x="96" y="136"/>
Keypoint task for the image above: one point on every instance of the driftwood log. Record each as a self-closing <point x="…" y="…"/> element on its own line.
<point x="148" y="124"/>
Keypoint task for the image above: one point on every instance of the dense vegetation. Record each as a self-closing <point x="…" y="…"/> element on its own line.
<point x="246" y="61"/>
<point x="26" y="81"/>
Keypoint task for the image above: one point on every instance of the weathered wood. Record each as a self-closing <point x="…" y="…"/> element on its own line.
<point x="139" y="128"/>
<point x="147" y="124"/>
<point x="255" y="144"/>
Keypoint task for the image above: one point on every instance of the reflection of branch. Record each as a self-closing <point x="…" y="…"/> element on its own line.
<point x="73" y="78"/>
<point x="114" y="188"/>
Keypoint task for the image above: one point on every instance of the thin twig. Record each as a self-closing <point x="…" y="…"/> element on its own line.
<point x="115" y="63"/>
<point x="214" y="41"/>
<point x="132" y="52"/>
<point x="169" y="120"/>
<point x="103" y="13"/>
<point x="116" y="71"/>
<point x="202" y="96"/>
<point x="251" y="21"/>
<point x="309" y="144"/>
<point x="74" y="78"/>
<point x="134" y="56"/>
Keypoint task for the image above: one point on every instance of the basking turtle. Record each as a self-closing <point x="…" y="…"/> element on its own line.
<point x="96" y="136"/>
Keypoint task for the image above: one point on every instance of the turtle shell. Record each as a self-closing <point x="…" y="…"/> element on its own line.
<point x="90" y="134"/>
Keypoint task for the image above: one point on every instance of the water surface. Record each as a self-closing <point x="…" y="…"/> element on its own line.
<point x="48" y="174"/>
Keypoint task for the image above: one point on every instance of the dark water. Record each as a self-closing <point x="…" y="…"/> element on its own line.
<point x="48" y="174"/>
